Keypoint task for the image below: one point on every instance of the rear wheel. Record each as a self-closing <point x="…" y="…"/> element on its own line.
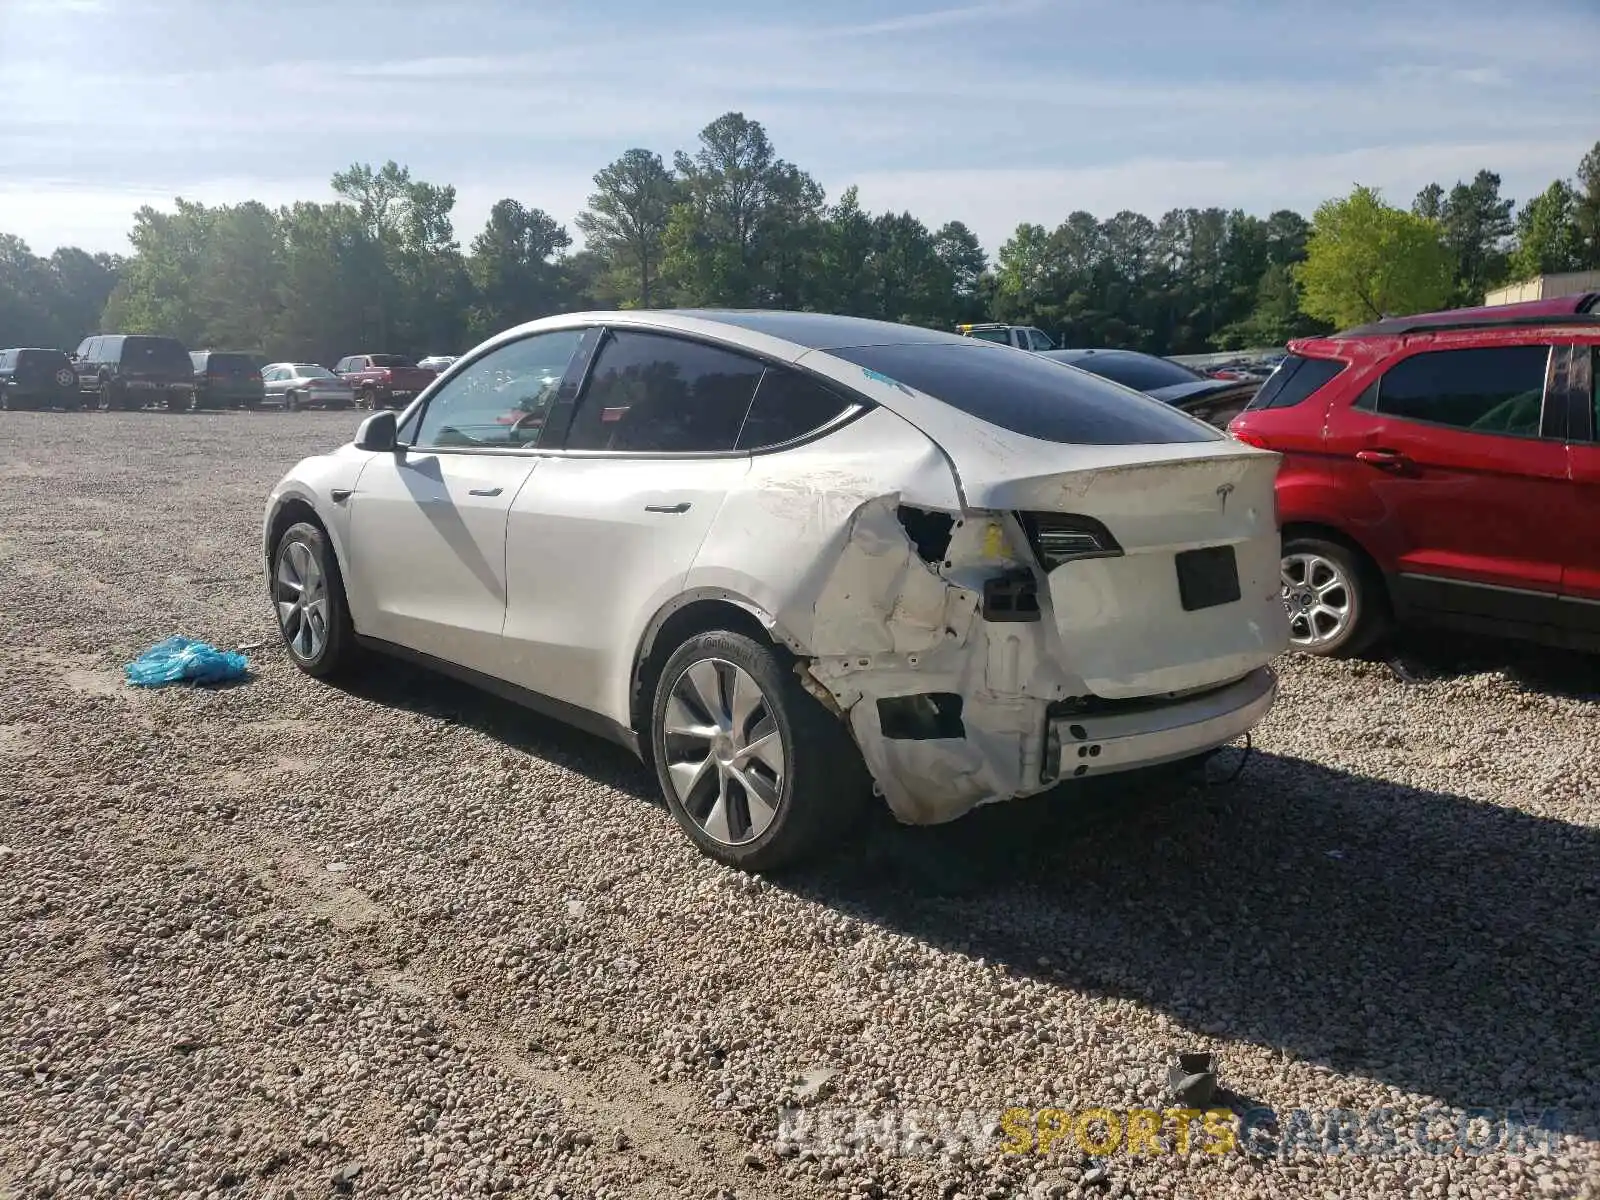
<point x="308" y="595"/>
<point x="1336" y="604"/>
<point x="755" y="770"/>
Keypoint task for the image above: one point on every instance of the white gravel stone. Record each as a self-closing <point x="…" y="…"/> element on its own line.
<point x="526" y="980"/>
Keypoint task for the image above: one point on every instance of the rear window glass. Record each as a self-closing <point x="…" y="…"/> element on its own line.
<point x="231" y="362"/>
<point x="157" y="352"/>
<point x="1003" y="336"/>
<point x="43" y="359"/>
<point x="1295" y="379"/>
<point x="1141" y="372"/>
<point x="1030" y="395"/>
<point x="391" y="360"/>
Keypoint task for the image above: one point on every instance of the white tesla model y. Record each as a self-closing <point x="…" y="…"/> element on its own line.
<point x="792" y="558"/>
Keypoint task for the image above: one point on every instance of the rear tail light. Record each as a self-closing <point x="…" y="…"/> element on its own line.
<point x="1249" y="439"/>
<point x="1059" y="538"/>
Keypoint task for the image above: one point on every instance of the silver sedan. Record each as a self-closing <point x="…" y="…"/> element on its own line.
<point x="305" y="385"/>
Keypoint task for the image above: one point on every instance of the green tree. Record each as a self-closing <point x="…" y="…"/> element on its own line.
<point x="1476" y="223"/>
<point x="1548" y="241"/>
<point x="962" y="256"/>
<point x="1366" y="259"/>
<point x="746" y="223"/>
<point x="1586" y="210"/>
<point x="160" y="288"/>
<point x="626" y="221"/>
<point x="516" y="269"/>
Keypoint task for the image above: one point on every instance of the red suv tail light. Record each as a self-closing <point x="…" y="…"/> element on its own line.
<point x="1248" y="438"/>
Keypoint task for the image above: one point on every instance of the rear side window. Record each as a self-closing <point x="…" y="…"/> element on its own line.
<point x="1030" y="395"/>
<point x="1295" y="379"/>
<point x="788" y="406"/>
<point x="652" y="394"/>
<point x="1496" y="390"/>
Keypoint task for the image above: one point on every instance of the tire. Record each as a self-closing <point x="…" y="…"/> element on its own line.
<point x="369" y="399"/>
<point x="291" y="402"/>
<point x="817" y="775"/>
<point x="304" y="557"/>
<point x="110" y="399"/>
<point x="1323" y="580"/>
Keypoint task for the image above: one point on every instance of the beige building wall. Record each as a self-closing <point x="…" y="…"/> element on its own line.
<point x="1546" y="287"/>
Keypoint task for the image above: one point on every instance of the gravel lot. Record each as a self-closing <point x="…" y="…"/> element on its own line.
<point x="403" y="940"/>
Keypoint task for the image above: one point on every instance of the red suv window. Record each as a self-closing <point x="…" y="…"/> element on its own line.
<point x="1491" y="389"/>
<point x="1296" y="378"/>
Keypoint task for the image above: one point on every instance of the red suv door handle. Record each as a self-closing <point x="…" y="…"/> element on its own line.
<point x="1385" y="460"/>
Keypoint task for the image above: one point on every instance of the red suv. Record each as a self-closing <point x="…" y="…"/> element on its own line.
<point x="1440" y="469"/>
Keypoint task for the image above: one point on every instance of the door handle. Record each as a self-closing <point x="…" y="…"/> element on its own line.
<point x="1385" y="460"/>
<point x="681" y="507"/>
<point x="494" y="491"/>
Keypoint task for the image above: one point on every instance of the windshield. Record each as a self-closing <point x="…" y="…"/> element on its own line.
<point x="312" y="371"/>
<point x="1141" y="372"/>
<point x="391" y="360"/>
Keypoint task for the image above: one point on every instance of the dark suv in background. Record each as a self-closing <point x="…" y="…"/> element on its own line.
<point x="227" y="379"/>
<point x="33" y="377"/>
<point x="133" y="370"/>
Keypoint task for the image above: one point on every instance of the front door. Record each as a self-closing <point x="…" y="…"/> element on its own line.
<point x="1452" y="447"/>
<point x="428" y="523"/>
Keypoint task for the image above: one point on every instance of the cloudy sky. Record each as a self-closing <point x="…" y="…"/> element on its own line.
<point x="992" y="113"/>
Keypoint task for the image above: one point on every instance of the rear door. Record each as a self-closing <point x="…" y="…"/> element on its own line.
<point x="428" y="523"/>
<point x="1458" y="450"/>
<point x="606" y="530"/>
<point x="1580" y="576"/>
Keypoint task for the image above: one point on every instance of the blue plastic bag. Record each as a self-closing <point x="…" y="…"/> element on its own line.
<point x="180" y="659"/>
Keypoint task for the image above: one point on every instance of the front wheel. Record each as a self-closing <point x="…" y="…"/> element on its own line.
<point x="755" y="770"/>
<point x="1335" y="602"/>
<point x="308" y="594"/>
<point x="291" y="401"/>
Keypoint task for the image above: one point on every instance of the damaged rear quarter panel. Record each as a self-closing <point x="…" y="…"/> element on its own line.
<point x="814" y="538"/>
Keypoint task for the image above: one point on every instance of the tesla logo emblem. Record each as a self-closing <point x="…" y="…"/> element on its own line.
<point x="1224" y="492"/>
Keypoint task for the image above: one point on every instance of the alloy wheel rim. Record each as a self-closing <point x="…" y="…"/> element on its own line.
<point x="724" y="751"/>
<point x="302" y="598"/>
<point x="1319" y="598"/>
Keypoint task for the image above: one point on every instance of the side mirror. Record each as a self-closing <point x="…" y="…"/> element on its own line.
<point x="377" y="432"/>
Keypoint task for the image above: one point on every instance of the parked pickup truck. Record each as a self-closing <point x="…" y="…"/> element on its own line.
<point x="383" y="380"/>
<point x="1023" y="337"/>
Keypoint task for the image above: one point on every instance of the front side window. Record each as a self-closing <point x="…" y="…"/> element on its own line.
<point x="1496" y="390"/>
<point x="500" y="400"/>
<point x="655" y="394"/>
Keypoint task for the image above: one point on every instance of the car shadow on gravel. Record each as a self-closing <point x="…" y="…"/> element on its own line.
<point x="1435" y="943"/>
<point x="399" y="685"/>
